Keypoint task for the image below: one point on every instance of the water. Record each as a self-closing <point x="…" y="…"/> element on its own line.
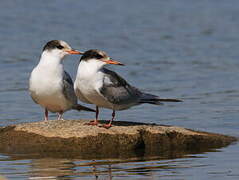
<point x="184" y="49"/>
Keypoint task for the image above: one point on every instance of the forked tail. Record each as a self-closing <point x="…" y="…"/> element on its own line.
<point x="169" y="100"/>
<point x="152" y="99"/>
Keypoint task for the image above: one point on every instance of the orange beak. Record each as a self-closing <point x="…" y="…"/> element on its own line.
<point x="74" y="52"/>
<point x="111" y="61"/>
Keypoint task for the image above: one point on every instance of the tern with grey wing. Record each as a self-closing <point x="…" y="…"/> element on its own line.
<point x="97" y="85"/>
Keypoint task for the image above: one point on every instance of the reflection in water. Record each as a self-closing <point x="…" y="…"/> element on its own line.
<point x="51" y="168"/>
<point x="59" y="166"/>
<point x="141" y="167"/>
<point x="73" y="168"/>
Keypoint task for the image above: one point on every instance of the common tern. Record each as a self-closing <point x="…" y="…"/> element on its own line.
<point x="49" y="85"/>
<point x="97" y="85"/>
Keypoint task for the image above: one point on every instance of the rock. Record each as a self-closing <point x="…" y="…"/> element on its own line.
<point x="125" y="139"/>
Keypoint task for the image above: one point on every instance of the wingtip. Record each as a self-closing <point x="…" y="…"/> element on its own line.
<point x="84" y="108"/>
<point x="171" y="100"/>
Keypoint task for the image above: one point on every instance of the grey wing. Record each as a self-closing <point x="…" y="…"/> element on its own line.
<point x="68" y="88"/>
<point x="117" y="91"/>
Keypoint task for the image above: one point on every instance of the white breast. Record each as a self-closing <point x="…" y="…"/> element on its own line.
<point x="88" y="82"/>
<point x="46" y="88"/>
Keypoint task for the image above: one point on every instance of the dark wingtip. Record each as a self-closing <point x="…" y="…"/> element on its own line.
<point x="84" y="108"/>
<point x="171" y="100"/>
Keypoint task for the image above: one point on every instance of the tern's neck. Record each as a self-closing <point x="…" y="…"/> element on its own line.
<point x="48" y="58"/>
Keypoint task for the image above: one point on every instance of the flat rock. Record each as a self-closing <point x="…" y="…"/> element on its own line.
<point x="124" y="139"/>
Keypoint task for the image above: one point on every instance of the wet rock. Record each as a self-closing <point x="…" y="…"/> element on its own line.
<point x="124" y="139"/>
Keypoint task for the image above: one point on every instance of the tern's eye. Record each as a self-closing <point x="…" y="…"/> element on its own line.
<point x="59" y="47"/>
<point x="98" y="56"/>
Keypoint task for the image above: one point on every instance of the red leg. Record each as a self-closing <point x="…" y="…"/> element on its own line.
<point x="95" y="122"/>
<point x="107" y="126"/>
<point x="46" y="115"/>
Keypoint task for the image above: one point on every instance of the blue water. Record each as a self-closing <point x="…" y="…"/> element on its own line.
<point x="184" y="49"/>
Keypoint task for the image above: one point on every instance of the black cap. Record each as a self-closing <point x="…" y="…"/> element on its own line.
<point x="53" y="44"/>
<point x="93" y="54"/>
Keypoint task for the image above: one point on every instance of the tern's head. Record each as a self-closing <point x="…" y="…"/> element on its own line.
<point x="59" y="49"/>
<point x="98" y="57"/>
